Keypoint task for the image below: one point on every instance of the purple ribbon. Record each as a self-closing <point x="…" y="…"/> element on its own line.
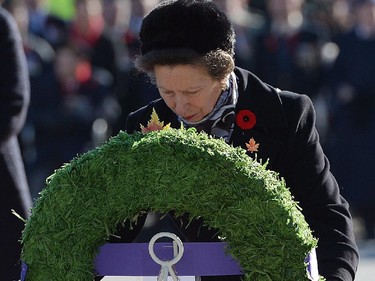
<point x="23" y="271"/>
<point x="199" y="259"/>
<point x="133" y="259"/>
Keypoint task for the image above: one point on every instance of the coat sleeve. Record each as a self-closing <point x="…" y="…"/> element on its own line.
<point x="142" y="116"/>
<point x="307" y="172"/>
<point x="134" y="121"/>
<point x="14" y="81"/>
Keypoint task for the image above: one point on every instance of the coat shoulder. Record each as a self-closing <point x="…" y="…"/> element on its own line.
<point x="143" y="115"/>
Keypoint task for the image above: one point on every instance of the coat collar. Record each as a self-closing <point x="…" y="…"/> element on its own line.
<point x="262" y="99"/>
<point x="265" y="101"/>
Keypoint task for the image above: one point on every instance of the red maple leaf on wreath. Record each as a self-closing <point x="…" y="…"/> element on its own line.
<point x="154" y="124"/>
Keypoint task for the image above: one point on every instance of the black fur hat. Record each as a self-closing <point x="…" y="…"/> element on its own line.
<point x="193" y="24"/>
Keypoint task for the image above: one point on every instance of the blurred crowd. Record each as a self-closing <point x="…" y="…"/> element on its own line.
<point x="83" y="84"/>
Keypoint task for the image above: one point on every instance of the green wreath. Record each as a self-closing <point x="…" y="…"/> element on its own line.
<point x="179" y="170"/>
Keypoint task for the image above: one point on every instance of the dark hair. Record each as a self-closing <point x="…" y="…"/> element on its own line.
<point x="218" y="63"/>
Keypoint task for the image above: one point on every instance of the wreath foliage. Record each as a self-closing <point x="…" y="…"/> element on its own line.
<point x="179" y="170"/>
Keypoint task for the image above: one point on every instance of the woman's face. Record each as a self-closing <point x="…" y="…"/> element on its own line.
<point x="188" y="90"/>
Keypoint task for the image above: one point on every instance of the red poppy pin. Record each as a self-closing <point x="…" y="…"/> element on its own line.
<point x="246" y="119"/>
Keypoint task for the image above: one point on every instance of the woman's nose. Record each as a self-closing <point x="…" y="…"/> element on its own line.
<point x="181" y="105"/>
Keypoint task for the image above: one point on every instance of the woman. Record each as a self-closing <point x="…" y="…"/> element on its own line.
<point x="187" y="50"/>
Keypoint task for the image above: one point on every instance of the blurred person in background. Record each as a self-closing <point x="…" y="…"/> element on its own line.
<point x="340" y="17"/>
<point x="86" y="33"/>
<point x="39" y="53"/>
<point x="133" y="88"/>
<point x="334" y="14"/>
<point x="14" y="101"/>
<point x="353" y="114"/>
<point x="37" y="16"/>
<point x="40" y="57"/>
<point x="116" y="16"/>
<point x="247" y="23"/>
<point x="288" y="53"/>
<point x="72" y="110"/>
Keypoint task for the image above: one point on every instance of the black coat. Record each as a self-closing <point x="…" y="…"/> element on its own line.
<point x="14" y="99"/>
<point x="285" y="130"/>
